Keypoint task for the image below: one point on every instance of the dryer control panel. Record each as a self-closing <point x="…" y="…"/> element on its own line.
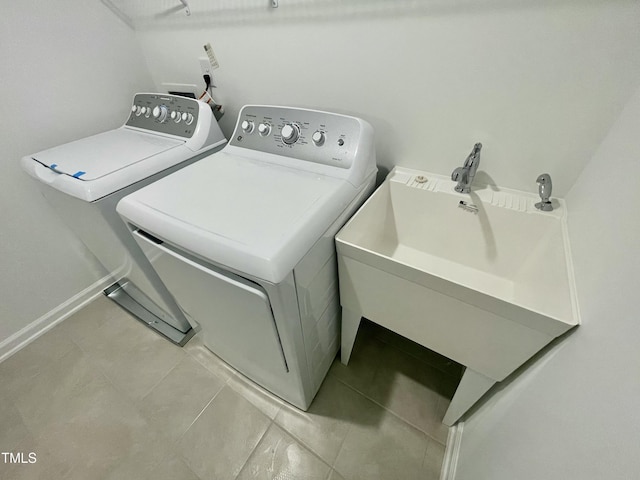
<point x="309" y="135"/>
<point x="164" y="113"/>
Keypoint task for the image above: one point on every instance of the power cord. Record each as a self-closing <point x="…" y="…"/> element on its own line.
<point x="218" y="110"/>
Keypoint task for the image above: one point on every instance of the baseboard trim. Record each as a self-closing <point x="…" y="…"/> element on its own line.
<point x="46" y="322"/>
<point x="452" y="451"/>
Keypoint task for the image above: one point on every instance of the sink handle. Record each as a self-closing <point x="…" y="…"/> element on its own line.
<point x="544" y="190"/>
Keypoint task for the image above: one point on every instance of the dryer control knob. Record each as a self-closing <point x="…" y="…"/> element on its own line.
<point x="160" y="112"/>
<point x="318" y="137"/>
<point x="138" y="110"/>
<point x="290" y="133"/>
<point x="247" y="126"/>
<point x="176" y="117"/>
<point x="264" y="129"/>
<point x="133" y="108"/>
<point x="189" y="119"/>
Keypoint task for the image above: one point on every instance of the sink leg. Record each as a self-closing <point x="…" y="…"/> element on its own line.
<point x="350" y="324"/>
<point x="472" y="386"/>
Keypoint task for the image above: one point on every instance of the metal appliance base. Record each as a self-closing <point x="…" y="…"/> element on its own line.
<point x="116" y="293"/>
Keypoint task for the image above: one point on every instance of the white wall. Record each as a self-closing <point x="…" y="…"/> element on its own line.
<point x="575" y="414"/>
<point x="539" y="83"/>
<point x="69" y="69"/>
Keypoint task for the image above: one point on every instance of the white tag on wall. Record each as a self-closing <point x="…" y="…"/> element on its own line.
<point x="212" y="57"/>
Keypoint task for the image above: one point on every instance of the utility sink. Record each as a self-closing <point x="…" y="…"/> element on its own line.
<point x="483" y="278"/>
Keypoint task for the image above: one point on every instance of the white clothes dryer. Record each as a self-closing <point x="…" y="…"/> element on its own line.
<point x="84" y="180"/>
<point x="245" y="243"/>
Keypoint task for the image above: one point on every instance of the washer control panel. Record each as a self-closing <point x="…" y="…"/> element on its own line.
<point x="309" y="135"/>
<point x="161" y="113"/>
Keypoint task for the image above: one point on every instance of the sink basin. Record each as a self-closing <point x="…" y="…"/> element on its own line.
<point x="483" y="278"/>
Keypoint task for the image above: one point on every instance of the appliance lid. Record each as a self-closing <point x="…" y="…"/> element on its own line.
<point x="100" y="155"/>
<point x="255" y="217"/>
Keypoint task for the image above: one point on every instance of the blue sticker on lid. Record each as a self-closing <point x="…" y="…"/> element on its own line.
<point x="78" y="174"/>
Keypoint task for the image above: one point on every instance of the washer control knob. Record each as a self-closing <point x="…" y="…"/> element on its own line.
<point x="247" y="126"/>
<point x="133" y="108"/>
<point x="161" y="112"/>
<point x="318" y="137"/>
<point x="189" y="119"/>
<point x="138" y="110"/>
<point x="175" y="116"/>
<point x="264" y="129"/>
<point x="290" y="133"/>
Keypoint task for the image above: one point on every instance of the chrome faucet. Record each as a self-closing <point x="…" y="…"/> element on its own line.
<point x="544" y="190"/>
<point x="464" y="175"/>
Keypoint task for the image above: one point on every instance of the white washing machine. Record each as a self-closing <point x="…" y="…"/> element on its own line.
<point x="245" y="243"/>
<point x="85" y="179"/>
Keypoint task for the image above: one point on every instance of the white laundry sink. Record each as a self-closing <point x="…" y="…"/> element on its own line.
<point x="487" y="282"/>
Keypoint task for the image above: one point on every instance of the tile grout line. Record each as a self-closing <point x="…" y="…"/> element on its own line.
<point x="426" y="450"/>
<point x="175" y="442"/>
<point x="308" y="447"/>
<point x="335" y="460"/>
<point x="163" y="377"/>
<point x="198" y="416"/>
<point x="272" y="422"/>
<point x="188" y="467"/>
<point x="304" y="444"/>
<point x="104" y="375"/>
<point x="430" y="435"/>
<point x="188" y="354"/>
<point x="137" y="405"/>
<point x="375" y="337"/>
<point x="100" y="370"/>
<point x="226" y="380"/>
<point x="426" y="453"/>
<point x="239" y="377"/>
<point x="254" y="448"/>
<point x="331" y="470"/>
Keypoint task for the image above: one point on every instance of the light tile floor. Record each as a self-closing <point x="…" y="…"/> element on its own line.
<point x="100" y="396"/>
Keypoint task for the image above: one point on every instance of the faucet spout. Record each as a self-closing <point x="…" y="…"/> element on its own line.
<point x="464" y="175"/>
<point x="474" y="156"/>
